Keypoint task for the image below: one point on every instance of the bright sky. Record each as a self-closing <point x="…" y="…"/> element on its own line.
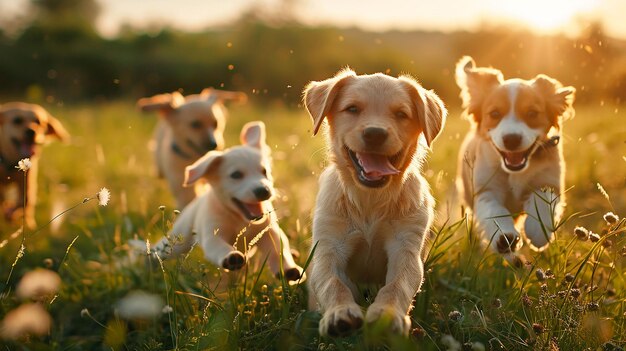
<point x="544" y="16"/>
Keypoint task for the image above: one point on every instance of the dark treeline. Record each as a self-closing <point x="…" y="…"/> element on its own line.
<point x="63" y="60"/>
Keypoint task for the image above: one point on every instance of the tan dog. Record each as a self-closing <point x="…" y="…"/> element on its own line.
<point x="373" y="209"/>
<point x="190" y="126"/>
<point x="511" y="162"/>
<point x="238" y="202"/>
<point x="24" y="128"/>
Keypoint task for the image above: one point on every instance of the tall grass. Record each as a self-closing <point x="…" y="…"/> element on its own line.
<point x="569" y="297"/>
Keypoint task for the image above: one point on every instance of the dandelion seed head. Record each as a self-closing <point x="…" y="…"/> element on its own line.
<point x="38" y="283"/>
<point x="594" y="237"/>
<point x="167" y="309"/>
<point x="455" y="316"/>
<point x="104" y="195"/>
<point x="478" y="346"/>
<point x="162" y="208"/>
<point x="581" y="233"/>
<point x="84" y="313"/>
<point x="610" y="218"/>
<point x="27" y="319"/>
<point x="593" y="306"/>
<point x="24" y="164"/>
<point x="139" y="305"/>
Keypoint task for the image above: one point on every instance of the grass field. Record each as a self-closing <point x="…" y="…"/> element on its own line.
<point x="470" y="296"/>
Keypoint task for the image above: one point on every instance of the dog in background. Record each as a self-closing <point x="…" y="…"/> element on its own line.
<point x="238" y="202"/>
<point x="511" y="165"/>
<point x="190" y="126"/>
<point x="374" y="208"/>
<point x="24" y="128"/>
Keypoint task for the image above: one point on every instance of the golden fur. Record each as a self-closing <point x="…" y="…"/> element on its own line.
<point x="238" y="202"/>
<point x="190" y="126"/>
<point x="368" y="227"/>
<point x="510" y="162"/>
<point x="24" y="128"/>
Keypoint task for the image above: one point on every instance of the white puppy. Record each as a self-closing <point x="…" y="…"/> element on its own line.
<point x="237" y="203"/>
<point x="190" y="126"/>
<point x="374" y="208"/>
<point x="511" y="162"/>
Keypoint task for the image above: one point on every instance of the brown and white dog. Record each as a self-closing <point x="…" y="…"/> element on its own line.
<point x="190" y="126"/>
<point x="511" y="165"/>
<point x="238" y="202"/>
<point x="374" y="208"/>
<point x="24" y="128"/>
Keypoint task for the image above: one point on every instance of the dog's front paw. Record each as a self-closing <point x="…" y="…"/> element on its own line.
<point x="294" y="274"/>
<point x="538" y="236"/>
<point x="397" y="321"/>
<point x="341" y="320"/>
<point x="508" y="243"/>
<point x="235" y="260"/>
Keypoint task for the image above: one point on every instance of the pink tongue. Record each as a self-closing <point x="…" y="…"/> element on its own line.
<point x="376" y="166"/>
<point x="514" y="158"/>
<point x="256" y="210"/>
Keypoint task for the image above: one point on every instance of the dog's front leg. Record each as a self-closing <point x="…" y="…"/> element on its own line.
<point x="275" y="244"/>
<point x="497" y="223"/>
<point x="333" y="289"/>
<point x="543" y="209"/>
<point x="405" y="273"/>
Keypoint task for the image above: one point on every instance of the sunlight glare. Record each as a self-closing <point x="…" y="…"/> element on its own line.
<point x="543" y="15"/>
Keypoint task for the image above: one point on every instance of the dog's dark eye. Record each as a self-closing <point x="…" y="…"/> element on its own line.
<point x="401" y="115"/>
<point x="495" y="114"/>
<point x="264" y="171"/>
<point x="532" y="113"/>
<point x="18" y="121"/>
<point x="236" y="175"/>
<point x="352" y="109"/>
<point x="196" y="125"/>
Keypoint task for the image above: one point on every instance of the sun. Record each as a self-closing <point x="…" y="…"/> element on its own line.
<point x="542" y="15"/>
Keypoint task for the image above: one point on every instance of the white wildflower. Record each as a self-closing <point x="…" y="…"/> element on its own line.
<point x="450" y="343"/>
<point x="38" y="283"/>
<point x="104" y="195"/>
<point x="167" y="309"/>
<point x="84" y="313"/>
<point x="24" y="164"/>
<point x="139" y="305"/>
<point x="28" y="319"/>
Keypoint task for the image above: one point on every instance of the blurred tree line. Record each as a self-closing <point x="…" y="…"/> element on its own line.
<point x="59" y="56"/>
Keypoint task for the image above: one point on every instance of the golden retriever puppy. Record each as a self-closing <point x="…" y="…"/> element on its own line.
<point x="238" y="202"/>
<point x="374" y="208"/>
<point x="190" y="126"/>
<point x="511" y="163"/>
<point x="24" y="128"/>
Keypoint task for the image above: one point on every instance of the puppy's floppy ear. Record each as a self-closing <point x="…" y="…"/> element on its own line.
<point x="319" y="96"/>
<point x="475" y="83"/>
<point x="253" y="134"/>
<point x="431" y="111"/>
<point x="56" y="130"/>
<point x="559" y="99"/>
<point x="207" y="163"/>
<point x="223" y="95"/>
<point x="164" y="103"/>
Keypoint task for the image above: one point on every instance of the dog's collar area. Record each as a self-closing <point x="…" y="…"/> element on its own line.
<point x="178" y="151"/>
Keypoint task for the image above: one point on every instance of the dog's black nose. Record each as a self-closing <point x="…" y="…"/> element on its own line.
<point x="512" y="141"/>
<point x="374" y="135"/>
<point x="262" y="193"/>
<point x="29" y="134"/>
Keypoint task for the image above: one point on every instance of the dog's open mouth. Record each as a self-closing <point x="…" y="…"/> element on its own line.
<point x="516" y="161"/>
<point x="373" y="170"/>
<point x="24" y="148"/>
<point x="251" y="211"/>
